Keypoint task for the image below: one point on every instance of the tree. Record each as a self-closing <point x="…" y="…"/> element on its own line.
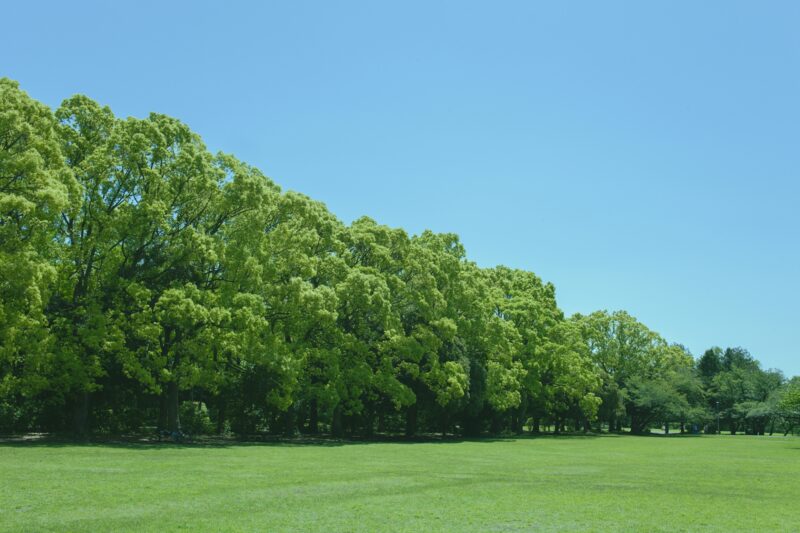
<point x="710" y="364"/>
<point x="633" y="362"/>
<point x="35" y="185"/>
<point x="181" y="201"/>
<point x="669" y="397"/>
<point x="740" y="392"/>
<point x="789" y="404"/>
<point x="298" y="266"/>
<point x="142" y="277"/>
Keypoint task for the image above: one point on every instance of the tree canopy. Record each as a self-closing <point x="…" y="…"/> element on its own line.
<point x="146" y="282"/>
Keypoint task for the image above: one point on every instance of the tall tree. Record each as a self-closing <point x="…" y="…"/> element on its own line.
<point x="35" y="185"/>
<point x="173" y="253"/>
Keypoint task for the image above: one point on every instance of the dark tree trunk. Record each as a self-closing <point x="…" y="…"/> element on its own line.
<point x="313" y="418"/>
<point x="81" y="414"/>
<point x="381" y="421"/>
<point x="289" y="421"/>
<point x="535" y="425"/>
<point x="336" y="423"/>
<point x="173" y="400"/>
<point x="411" y="419"/>
<point x="496" y="425"/>
<point x="520" y="416"/>
<point x="369" y="421"/>
<point x="637" y="425"/>
<point x="162" y="411"/>
<point x="221" y="416"/>
<point x="471" y="425"/>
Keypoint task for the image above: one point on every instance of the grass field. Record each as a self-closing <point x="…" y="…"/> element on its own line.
<point x="567" y="483"/>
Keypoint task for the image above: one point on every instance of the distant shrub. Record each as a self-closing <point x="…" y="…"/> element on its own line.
<point x="195" y="419"/>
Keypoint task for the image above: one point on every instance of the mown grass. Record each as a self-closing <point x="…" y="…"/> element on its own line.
<point x="550" y="483"/>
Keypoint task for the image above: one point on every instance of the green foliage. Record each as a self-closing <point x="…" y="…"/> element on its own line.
<point x="137" y="268"/>
<point x="195" y="419"/>
<point x="35" y="185"/>
<point x="788" y="404"/>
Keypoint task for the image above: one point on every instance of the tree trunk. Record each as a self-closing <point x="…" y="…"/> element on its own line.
<point x="336" y="423"/>
<point x="496" y="424"/>
<point x="221" y="416"/>
<point x="381" y="421"/>
<point x="471" y="425"/>
<point x="313" y="418"/>
<point x="411" y="419"/>
<point x="521" y="415"/>
<point x="535" y="425"/>
<point x="369" y="421"/>
<point x="81" y="414"/>
<point x="173" y="400"/>
<point x="637" y="425"/>
<point x="289" y="422"/>
<point x="162" y="411"/>
<point x="445" y="422"/>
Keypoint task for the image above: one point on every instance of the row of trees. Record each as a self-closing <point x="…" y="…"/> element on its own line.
<point x="145" y="282"/>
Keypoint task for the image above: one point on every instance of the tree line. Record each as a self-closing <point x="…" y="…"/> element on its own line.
<point x="145" y="282"/>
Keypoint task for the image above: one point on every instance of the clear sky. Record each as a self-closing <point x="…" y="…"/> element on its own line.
<point x="640" y="155"/>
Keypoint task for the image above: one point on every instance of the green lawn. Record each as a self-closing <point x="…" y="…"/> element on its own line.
<point x="568" y="483"/>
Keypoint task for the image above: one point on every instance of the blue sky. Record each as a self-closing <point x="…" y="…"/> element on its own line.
<point x="640" y="155"/>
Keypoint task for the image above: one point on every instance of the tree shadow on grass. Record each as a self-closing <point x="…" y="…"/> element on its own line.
<point x="145" y="442"/>
<point x="667" y="435"/>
